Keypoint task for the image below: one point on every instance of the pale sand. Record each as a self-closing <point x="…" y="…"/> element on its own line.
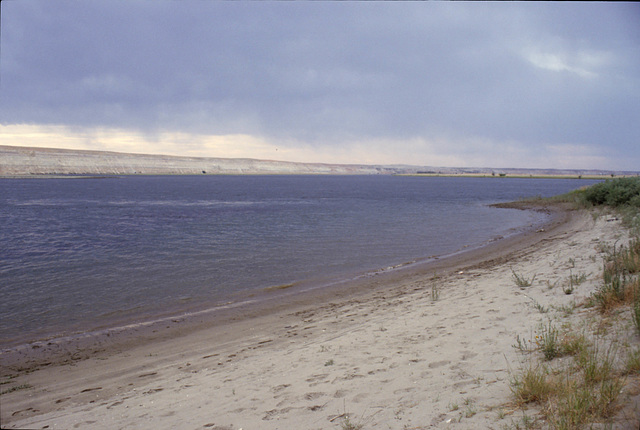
<point x="390" y="358"/>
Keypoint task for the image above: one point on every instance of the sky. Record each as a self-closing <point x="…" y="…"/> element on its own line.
<point x="529" y="85"/>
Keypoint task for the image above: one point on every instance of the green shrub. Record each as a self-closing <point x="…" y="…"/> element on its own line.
<point x="615" y="192"/>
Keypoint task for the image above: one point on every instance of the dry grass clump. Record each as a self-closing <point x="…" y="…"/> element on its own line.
<point x="534" y="383"/>
<point x="632" y="364"/>
<point x="553" y="343"/>
<point x="522" y="281"/>
<point x="571" y="394"/>
<point x="635" y="314"/>
<point x="621" y="278"/>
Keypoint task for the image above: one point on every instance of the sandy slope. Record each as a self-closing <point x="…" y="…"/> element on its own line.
<point x="393" y="358"/>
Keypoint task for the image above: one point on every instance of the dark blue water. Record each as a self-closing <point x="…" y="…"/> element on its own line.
<point x="80" y="253"/>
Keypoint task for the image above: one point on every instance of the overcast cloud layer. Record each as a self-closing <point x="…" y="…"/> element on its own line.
<point x="471" y="84"/>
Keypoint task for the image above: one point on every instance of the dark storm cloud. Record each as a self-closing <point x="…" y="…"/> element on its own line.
<point x="324" y="73"/>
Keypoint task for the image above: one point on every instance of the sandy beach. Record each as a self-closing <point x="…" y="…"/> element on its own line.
<point x="427" y="347"/>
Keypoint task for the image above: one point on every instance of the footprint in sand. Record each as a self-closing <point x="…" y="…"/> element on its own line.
<point x="359" y="398"/>
<point x="23" y="411"/>
<point x="436" y="364"/>
<point x="316" y="408"/>
<point x="279" y="388"/>
<point x="86" y="390"/>
<point x="275" y="414"/>
<point x="461" y="384"/>
<point x="466" y="355"/>
<point x="404" y="390"/>
<point x="317" y="379"/>
<point x="314" y="395"/>
<point x="340" y="394"/>
<point x="114" y="404"/>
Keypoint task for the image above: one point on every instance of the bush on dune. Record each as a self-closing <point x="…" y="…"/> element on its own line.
<point x="615" y="193"/>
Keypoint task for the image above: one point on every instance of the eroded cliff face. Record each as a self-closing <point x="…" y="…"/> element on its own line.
<point x="47" y="161"/>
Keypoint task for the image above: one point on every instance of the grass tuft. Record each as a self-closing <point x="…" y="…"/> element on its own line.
<point x="632" y="365"/>
<point x="621" y="284"/>
<point x="435" y="292"/>
<point x="347" y="424"/>
<point x="532" y="384"/>
<point x="549" y="341"/>
<point x="596" y="366"/>
<point x="521" y="281"/>
<point x="635" y="314"/>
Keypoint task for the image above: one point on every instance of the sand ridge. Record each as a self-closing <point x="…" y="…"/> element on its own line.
<point x="396" y="357"/>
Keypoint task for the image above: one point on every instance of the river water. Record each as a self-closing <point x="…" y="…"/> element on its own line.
<point x="77" y="254"/>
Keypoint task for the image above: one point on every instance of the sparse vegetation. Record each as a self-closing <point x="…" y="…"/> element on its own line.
<point x="469" y="408"/>
<point x="531" y="384"/>
<point x="633" y="362"/>
<point x="565" y="309"/>
<point x="542" y="309"/>
<point x="345" y="421"/>
<point x="548" y="341"/>
<point x="574" y="281"/>
<point x="522" y="345"/>
<point x="574" y="393"/>
<point x="635" y="315"/>
<point x="522" y="281"/>
<point x="347" y="424"/>
<point x="435" y="292"/>
<point x="621" y="284"/>
<point x="587" y="387"/>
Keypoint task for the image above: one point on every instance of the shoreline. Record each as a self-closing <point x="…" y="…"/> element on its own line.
<point x="61" y="348"/>
<point x="68" y="338"/>
<point x="25" y="161"/>
<point x="427" y="347"/>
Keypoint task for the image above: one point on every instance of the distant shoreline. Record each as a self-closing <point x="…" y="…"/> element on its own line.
<point x="425" y="175"/>
<point x="513" y="176"/>
<point x="29" y="162"/>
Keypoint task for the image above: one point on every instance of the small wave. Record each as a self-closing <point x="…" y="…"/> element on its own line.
<point x="48" y="202"/>
<point x="205" y="203"/>
<point x="279" y="287"/>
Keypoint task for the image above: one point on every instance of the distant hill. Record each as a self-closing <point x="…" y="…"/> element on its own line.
<point x="26" y="161"/>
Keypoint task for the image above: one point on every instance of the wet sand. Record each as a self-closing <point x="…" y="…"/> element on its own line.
<point x="394" y="350"/>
